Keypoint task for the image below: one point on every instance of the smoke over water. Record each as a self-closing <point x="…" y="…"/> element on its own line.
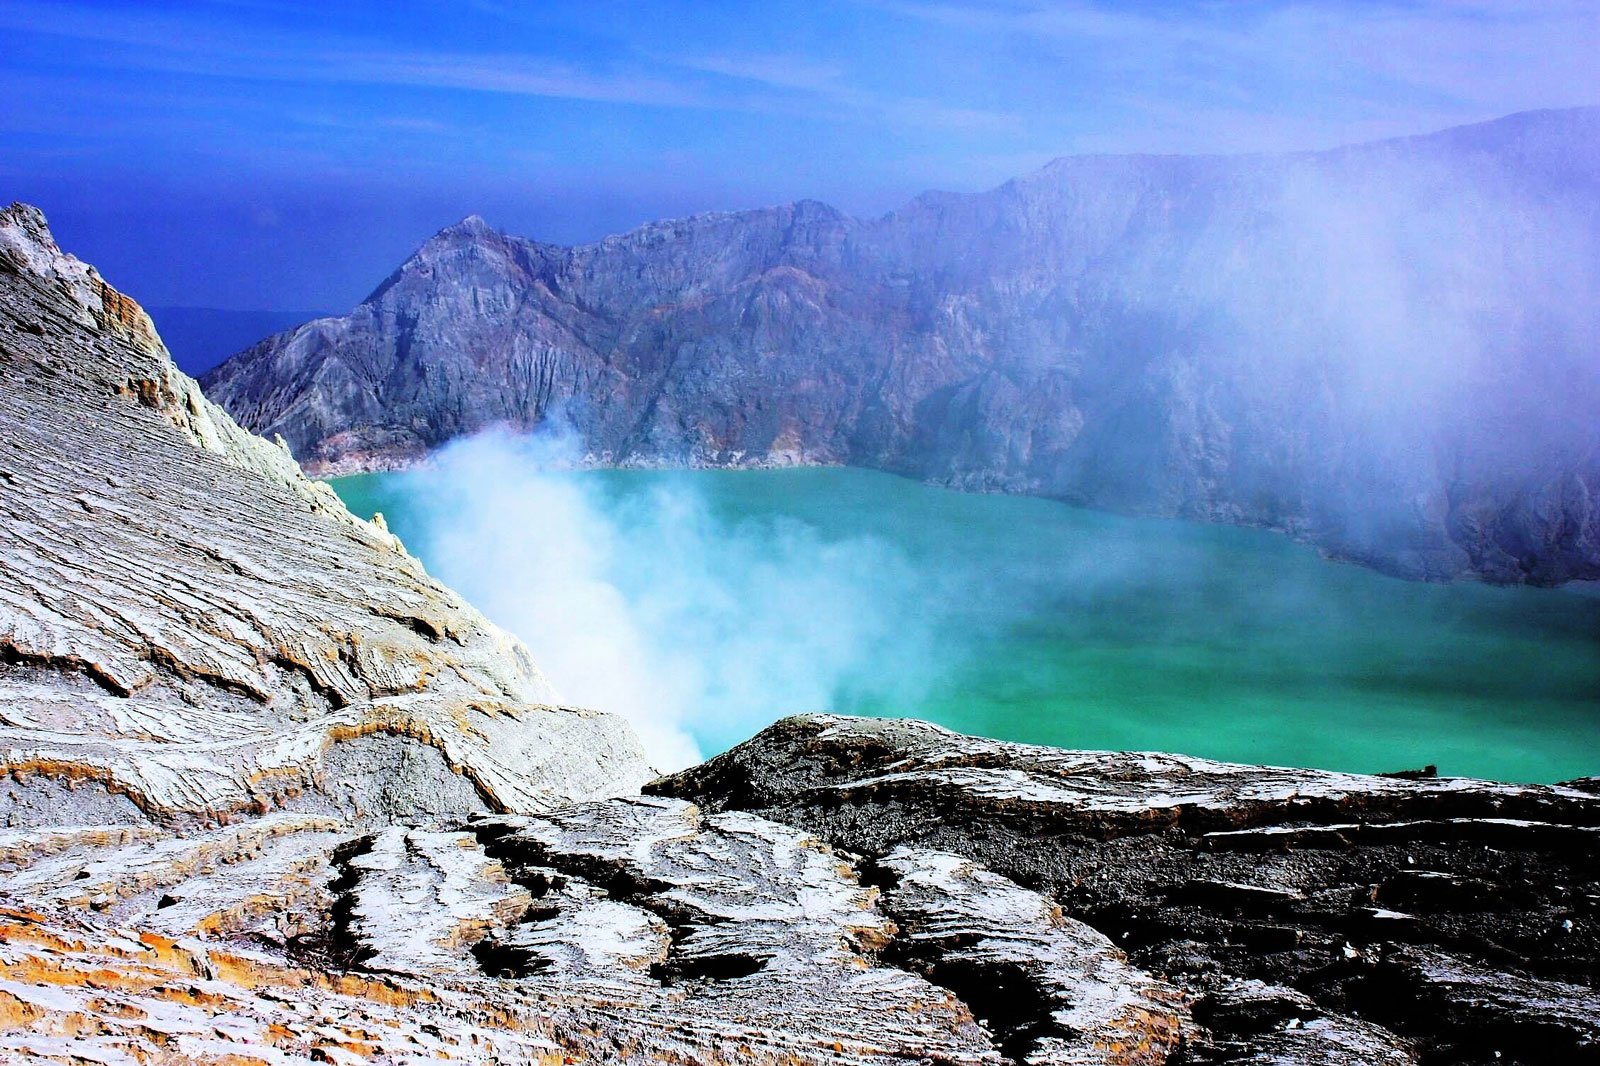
<point x="704" y="604"/>
<point x="653" y="607"/>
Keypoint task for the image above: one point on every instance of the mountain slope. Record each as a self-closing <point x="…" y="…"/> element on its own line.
<point x="200" y="338"/>
<point x="190" y="629"/>
<point x="1388" y="350"/>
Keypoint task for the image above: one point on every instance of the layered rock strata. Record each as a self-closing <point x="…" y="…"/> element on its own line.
<point x="189" y="628"/>
<point x="1311" y="916"/>
<point x="629" y="930"/>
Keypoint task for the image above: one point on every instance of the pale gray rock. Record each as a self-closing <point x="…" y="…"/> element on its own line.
<point x="627" y="930"/>
<point x="1387" y="350"/>
<point x="756" y="931"/>
<point x="421" y="899"/>
<point x="1055" y="991"/>
<point x="191" y="627"/>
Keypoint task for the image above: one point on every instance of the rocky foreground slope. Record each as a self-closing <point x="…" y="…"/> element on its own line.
<point x="272" y="795"/>
<point x="1387" y="350"/>
<point x="190" y="626"/>
<point x="1307" y="917"/>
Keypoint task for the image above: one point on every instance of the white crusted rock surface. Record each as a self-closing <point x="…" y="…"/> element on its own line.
<point x="188" y="626"/>
<point x="736" y="920"/>
<point x="628" y="930"/>
<point x="1062" y="993"/>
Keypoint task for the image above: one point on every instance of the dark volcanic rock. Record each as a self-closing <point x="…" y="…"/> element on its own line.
<point x="1307" y="911"/>
<point x="1387" y="350"/>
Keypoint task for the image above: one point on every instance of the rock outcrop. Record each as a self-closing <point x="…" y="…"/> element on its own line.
<point x="628" y="930"/>
<point x="1307" y="916"/>
<point x="190" y="629"/>
<point x="272" y="795"/>
<point x="1387" y="350"/>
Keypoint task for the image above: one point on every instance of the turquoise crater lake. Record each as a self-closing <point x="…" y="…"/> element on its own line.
<point x="1025" y="619"/>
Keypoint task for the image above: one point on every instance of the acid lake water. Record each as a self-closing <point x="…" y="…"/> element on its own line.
<point x="761" y="593"/>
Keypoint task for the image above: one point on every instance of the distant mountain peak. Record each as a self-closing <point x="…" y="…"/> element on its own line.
<point x="1228" y="337"/>
<point x="472" y="225"/>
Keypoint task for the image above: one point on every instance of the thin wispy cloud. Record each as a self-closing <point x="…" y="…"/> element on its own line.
<point x="762" y="83"/>
<point x="519" y="75"/>
<point x="596" y="115"/>
<point x="822" y="88"/>
<point x="776" y="71"/>
<point x="1297" y="74"/>
<point x="158" y="44"/>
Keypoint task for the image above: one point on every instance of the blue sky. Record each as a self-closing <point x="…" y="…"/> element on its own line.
<point x="258" y="154"/>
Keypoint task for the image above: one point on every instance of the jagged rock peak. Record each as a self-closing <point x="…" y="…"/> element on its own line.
<point x="27" y="244"/>
<point x="472" y="226"/>
<point x="472" y="232"/>
<point x="23" y="229"/>
<point x="473" y="222"/>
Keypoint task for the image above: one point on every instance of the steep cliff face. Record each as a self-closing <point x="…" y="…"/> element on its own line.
<point x="190" y="629"/>
<point x="1388" y="350"/>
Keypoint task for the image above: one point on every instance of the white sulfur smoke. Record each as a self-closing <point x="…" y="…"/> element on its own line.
<point x="648" y="605"/>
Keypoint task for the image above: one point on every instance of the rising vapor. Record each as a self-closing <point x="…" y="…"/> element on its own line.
<point x="698" y="628"/>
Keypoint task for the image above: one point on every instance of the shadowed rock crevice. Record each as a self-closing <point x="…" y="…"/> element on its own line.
<point x="1315" y="886"/>
<point x="330" y="944"/>
<point x="560" y="882"/>
<point x="11" y="655"/>
<point x="1004" y="997"/>
<point x="1481" y="1010"/>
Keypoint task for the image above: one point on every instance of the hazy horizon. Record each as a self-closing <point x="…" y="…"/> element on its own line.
<point x="597" y="238"/>
<point x="260" y="157"/>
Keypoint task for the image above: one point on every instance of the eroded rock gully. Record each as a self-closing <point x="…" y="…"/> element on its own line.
<point x="272" y="795"/>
